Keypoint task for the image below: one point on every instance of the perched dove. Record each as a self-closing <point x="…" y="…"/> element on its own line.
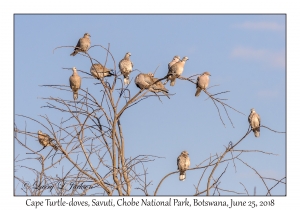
<point x="83" y="44"/>
<point x="45" y="140"/>
<point x="183" y="163"/>
<point x="175" y="59"/>
<point x="98" y="71"/>
<point x="202" y="82"/>
<point x="159" y="86"/>
<point x="75" y="83"/>
<point x="176" y="69"/>
<point x="147" y="81"/>
<point x="254" y="120"/>
<point x="125" y="66"/>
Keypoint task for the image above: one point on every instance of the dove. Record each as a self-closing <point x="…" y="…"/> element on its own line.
<point x="202" y="82"/>
<point x="175" y="59"/>
<point x="147" y="81"/>
<point x="125" y="66"/>
<point x="176" y="70"/>
<point x="45" y="140"/>
<point x="144" y="81"/>
<point x="75" y="83"/>
<point x="98" y="71"/>
<point x="83" y="44"/>
<point x="158" y="86"/>
<point x="254" y="121"/>
<point x="183" y="163"/>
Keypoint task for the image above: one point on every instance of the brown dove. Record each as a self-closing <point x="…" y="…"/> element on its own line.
<point x="158" y="86"/>
<point x="98" y="71"/>
<point x="202" y="82"/>
<point x="45" y="140"/>
<point x="83" y="44"/>
<point x="254" y="120"/>
<point x="183" y="163"/>
<point x="75" y="83"/>
<point x="125" y="66"/>
<point x="147" y="81"/>
<point x="176" y="69"/>
<point x="144" y="81"/>
<point x="175" y="59"/>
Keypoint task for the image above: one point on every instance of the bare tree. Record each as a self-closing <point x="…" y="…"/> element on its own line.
<point x="90" y="144"/>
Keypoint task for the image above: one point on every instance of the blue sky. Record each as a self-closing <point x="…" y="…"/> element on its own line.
<point x="245" y="54"/>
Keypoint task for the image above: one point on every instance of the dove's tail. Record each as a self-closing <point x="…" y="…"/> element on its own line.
<point x="74" y="53"/>
<point x="164" y="90"/>
<point x="172" y="82"/>
<point x="256" y="132"/>
<point x="182" y="176"/>
<point x="111" y="73"/>
<point x="75" y="96"/>
<point x="126" y="81"/>
<point x="53" y="145"/>
<point x="166" y="93"/>
<point x="198" y="91"/>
